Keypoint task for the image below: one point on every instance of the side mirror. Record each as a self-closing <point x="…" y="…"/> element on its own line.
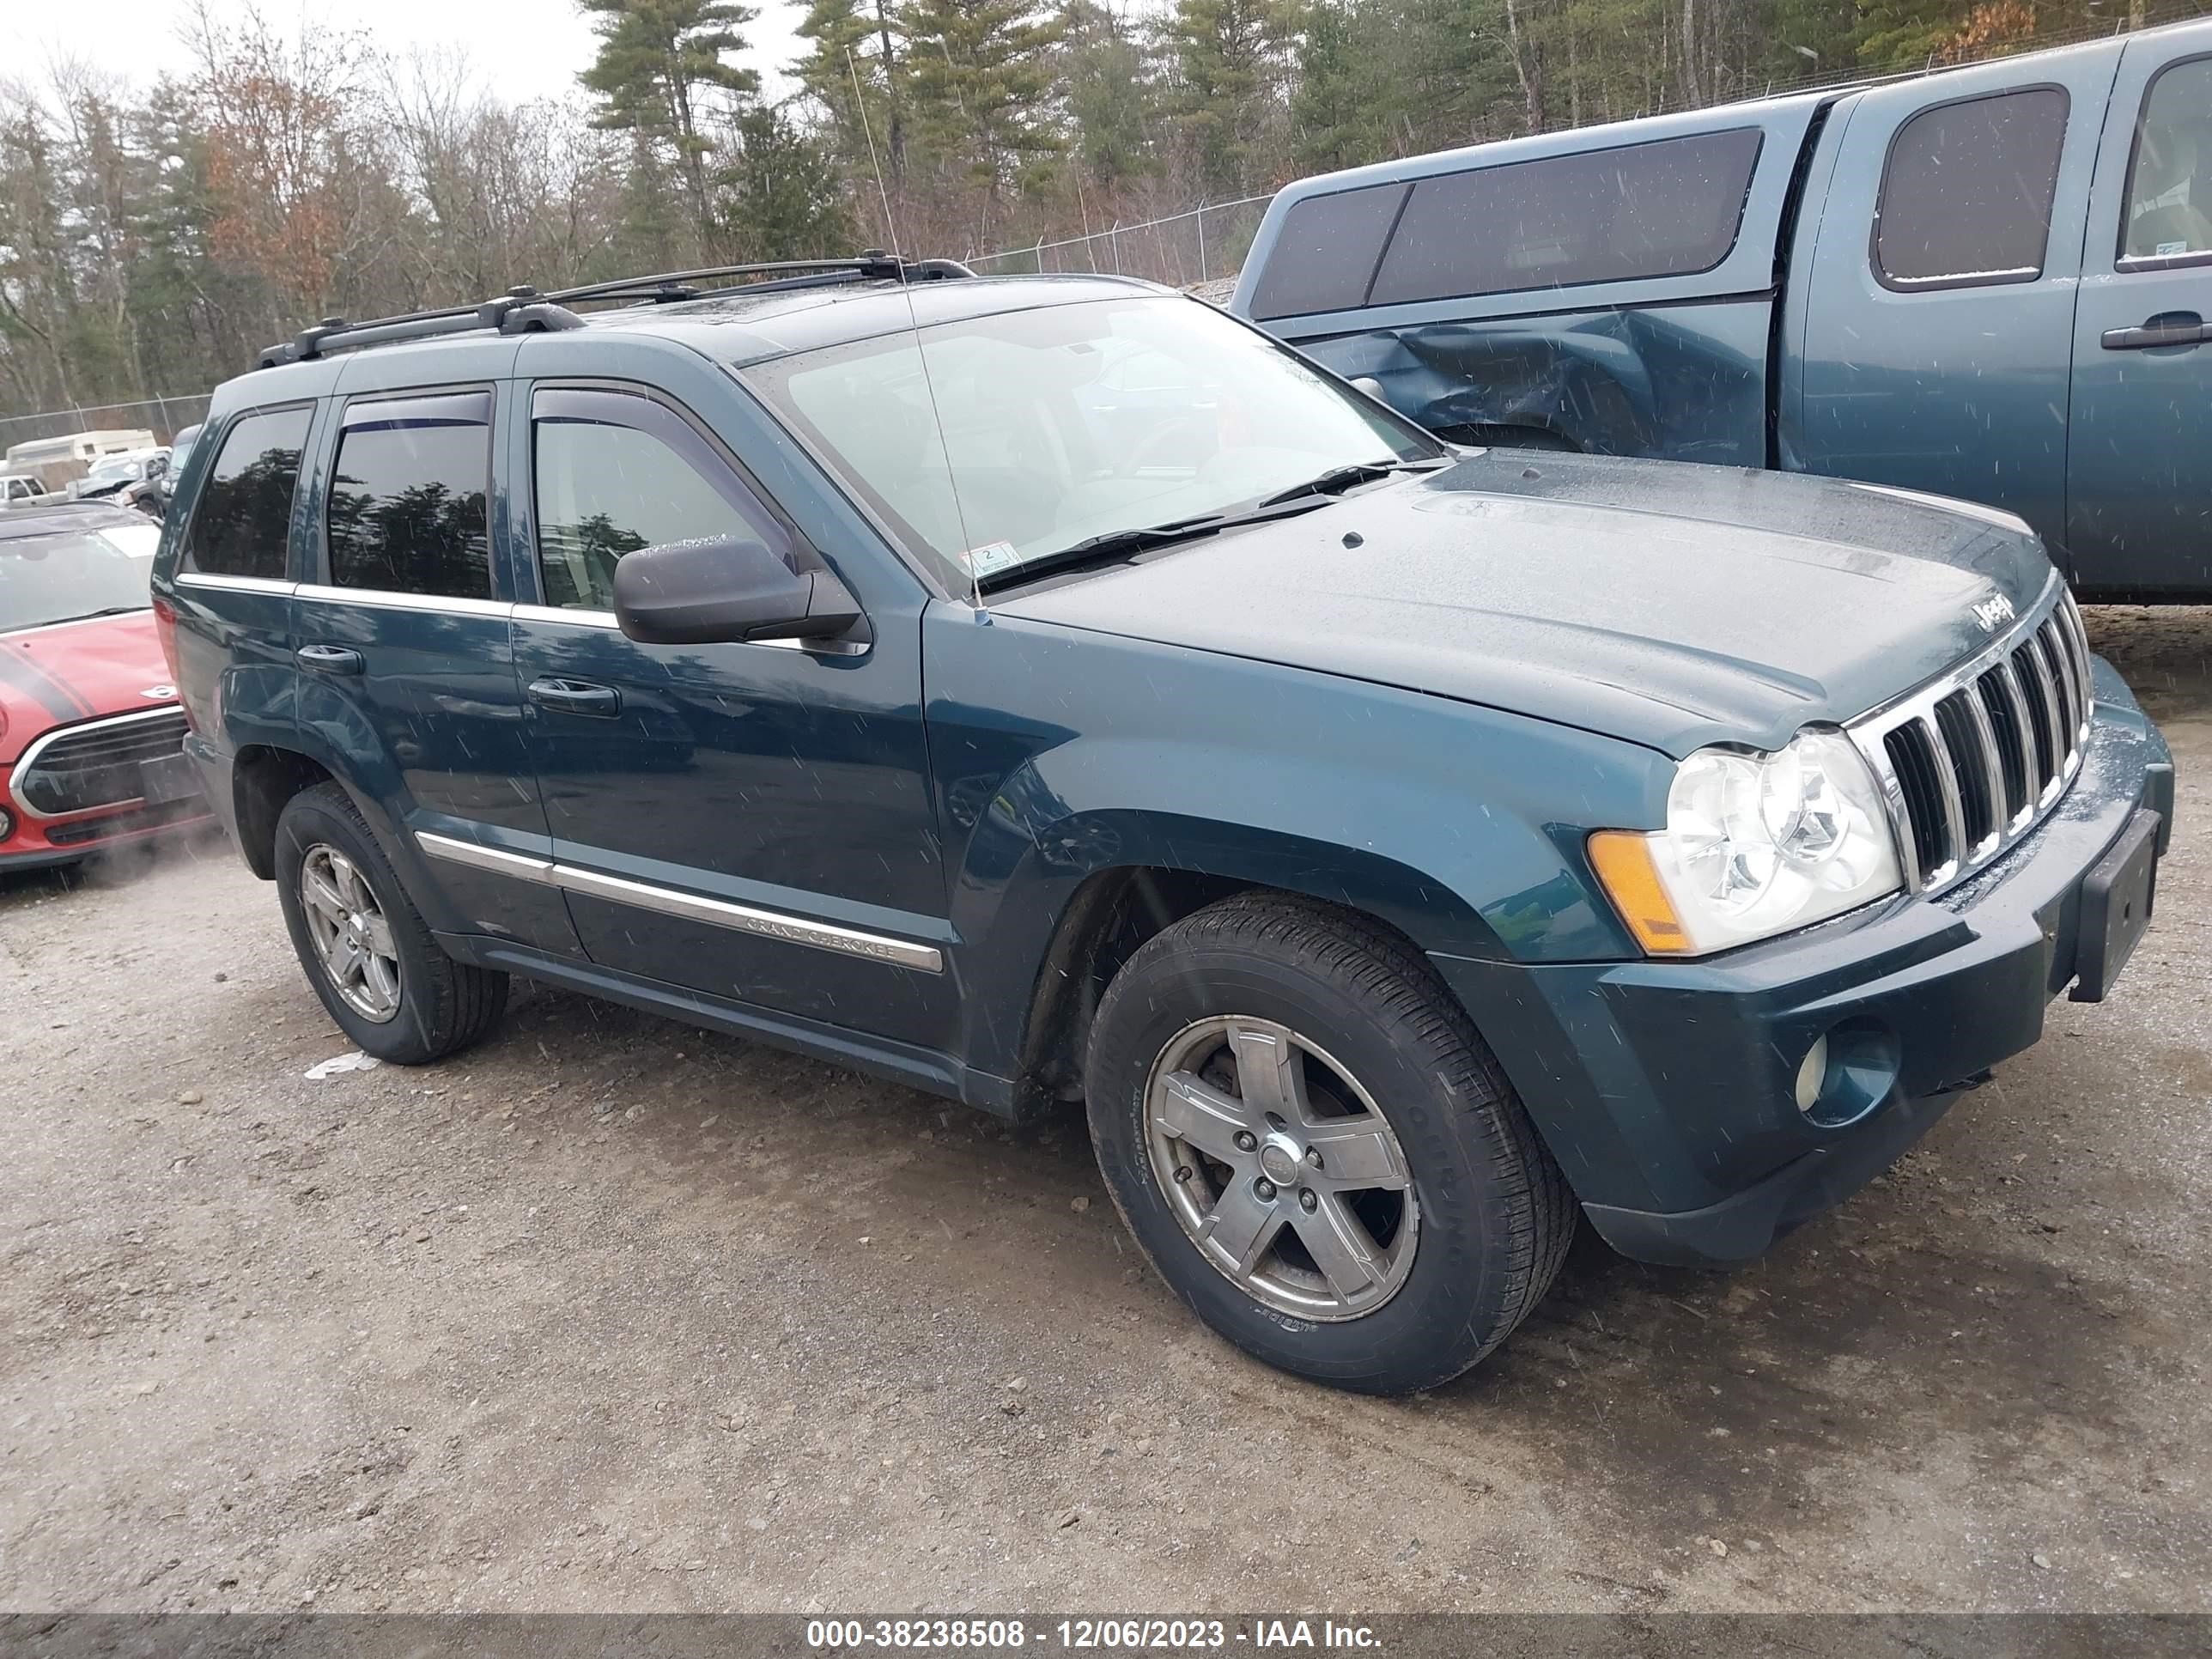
<point x="718" y="589"/>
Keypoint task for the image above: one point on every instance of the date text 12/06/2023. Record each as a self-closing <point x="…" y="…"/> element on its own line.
<point x="1086" y="1634"/>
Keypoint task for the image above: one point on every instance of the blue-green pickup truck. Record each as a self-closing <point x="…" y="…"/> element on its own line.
<point x="1402" y="849"/>
<point x="1990" y="283"/>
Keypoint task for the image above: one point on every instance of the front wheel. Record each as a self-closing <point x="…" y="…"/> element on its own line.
<point x="1315" y="1148"/>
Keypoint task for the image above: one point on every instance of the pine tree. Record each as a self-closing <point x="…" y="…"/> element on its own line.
<point x="855" y="72"/>
<point x="1334" y="111"/>
<point x="1229" y="59"/>
<point x="789" y="201"/>
<point x="659" y="61"/>
<point x="982" y="73"/>
<point x="1108" y="93"/>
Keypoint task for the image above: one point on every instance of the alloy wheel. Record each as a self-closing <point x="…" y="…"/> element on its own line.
<point x="1281" y="1168"/>
<point x="350" y="934"/>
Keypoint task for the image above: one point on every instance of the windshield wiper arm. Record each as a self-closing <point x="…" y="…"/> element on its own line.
<point x="1116" y="544"/>
<point x="1343" y="478"/>
<point x="1112" y="545"/>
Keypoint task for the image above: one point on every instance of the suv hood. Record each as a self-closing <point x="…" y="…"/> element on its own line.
<point x="1674" y="605"/>
<point x="75" y="670"/>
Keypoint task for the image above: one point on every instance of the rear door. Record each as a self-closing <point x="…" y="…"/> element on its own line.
<point x="1939" y="323"/>
<point x="406" y="677"/>
<point x="752" y="821"/>
<point x="2139" y="488"/>
<point x="231" y="597"/>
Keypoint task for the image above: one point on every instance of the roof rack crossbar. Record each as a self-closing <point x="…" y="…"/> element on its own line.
<point x="522" y="309"/>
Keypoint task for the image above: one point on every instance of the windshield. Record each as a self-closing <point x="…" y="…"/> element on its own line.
<point x="116" y="469"/>
<point x="59" y="578"/>
<point x="1072" y="421"/>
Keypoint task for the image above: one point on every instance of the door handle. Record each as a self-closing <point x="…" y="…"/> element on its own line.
<point x="329" y="658"/>
<point x="2168" y="328"/>
<point x="576" y="697"/>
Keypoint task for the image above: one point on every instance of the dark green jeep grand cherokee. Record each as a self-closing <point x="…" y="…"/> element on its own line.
<point x="1051" y="688"/>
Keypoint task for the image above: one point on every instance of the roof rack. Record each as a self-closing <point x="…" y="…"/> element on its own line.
<point x="524" y="310"/>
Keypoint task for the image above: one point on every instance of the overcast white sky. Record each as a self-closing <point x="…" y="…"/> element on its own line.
<point x="520" y="48"/>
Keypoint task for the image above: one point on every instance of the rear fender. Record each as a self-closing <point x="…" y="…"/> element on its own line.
<point x="1677" y="383"/>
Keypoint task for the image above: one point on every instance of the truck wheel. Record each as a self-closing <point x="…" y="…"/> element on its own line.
<point x="1315" y="1148"/>
<point x="365" y="948"/>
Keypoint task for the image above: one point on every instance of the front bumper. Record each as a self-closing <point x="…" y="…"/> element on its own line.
<point x="38" y="846"/>
<point x="1666" y="1090"/>
<point x="34" y="843"/>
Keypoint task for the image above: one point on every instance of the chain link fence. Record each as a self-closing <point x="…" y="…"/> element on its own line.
<point x="1202" y="245"/>
<point x="163" y="417"/>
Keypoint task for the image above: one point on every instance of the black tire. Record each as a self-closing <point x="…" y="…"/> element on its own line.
<point x="444" y="1005"/>
<point x="1495" y="1214"/>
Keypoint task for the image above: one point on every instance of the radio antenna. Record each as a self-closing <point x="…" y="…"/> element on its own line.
<point x="914" y="321"/>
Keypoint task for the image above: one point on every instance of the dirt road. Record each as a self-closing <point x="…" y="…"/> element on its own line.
<point x="611" y="1314"/>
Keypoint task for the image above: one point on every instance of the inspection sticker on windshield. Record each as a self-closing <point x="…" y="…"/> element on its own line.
<point x="992" y="556"/>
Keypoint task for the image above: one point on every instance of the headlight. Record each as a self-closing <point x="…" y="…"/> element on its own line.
<point x="1754" y="845"/>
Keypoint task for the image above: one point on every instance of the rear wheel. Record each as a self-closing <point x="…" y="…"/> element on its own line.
<point x="367" y="950"/>
<point x="1311" y="1143"/>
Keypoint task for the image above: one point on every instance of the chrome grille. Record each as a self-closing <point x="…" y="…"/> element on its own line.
<point x="85" y="769"/>
<point x="1970" y="763"/>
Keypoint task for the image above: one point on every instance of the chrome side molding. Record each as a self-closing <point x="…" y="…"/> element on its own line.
<point x="691" y="906"/>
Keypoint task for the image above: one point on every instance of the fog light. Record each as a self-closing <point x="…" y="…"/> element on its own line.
<point x="7" y="824"/>
<point x="1813" y="1074"/>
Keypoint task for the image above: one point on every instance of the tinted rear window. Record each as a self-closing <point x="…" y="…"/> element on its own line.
<point x="1326" y="251"/>
<point x="1667" y="208"/>
<point x="244" y="511"/>
<point x="1966" y="194"/>
<point x="407" y="500"/>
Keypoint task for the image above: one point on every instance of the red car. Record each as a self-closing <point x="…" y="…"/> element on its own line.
<point x="91" y="734"/>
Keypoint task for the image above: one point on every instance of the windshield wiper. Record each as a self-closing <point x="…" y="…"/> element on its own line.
<point x="1119" y="544"/>
<point x="1338" y="478"/>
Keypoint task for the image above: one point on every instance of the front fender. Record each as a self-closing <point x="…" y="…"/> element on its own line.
<point x="1459" y="825"/>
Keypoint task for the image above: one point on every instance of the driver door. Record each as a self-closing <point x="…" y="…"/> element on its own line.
<point x="748" y="820"/>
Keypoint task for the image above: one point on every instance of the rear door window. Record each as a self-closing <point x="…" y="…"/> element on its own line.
<point x="407" y="506"/>
<point x="243" y="519"/>
<point x="2170" y="177"/>
<point x="1966" y="193"/>
<point x="1667" y="208"/>
<point x="616" y="473"/>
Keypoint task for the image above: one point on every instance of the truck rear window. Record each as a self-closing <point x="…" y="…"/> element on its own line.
<point x="1670" y="208"/>
<point x="1325" y="252"/>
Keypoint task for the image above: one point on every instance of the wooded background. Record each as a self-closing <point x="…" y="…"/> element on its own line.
<point x="152" y="239"/>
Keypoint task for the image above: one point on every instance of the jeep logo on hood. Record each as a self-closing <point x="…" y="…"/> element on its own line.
<point x="1994" y="613"/>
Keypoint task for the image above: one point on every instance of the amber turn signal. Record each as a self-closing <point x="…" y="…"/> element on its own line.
<point x="1622" y="858"/>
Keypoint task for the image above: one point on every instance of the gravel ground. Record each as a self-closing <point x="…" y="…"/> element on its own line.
<point x="613" y="1315"/>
